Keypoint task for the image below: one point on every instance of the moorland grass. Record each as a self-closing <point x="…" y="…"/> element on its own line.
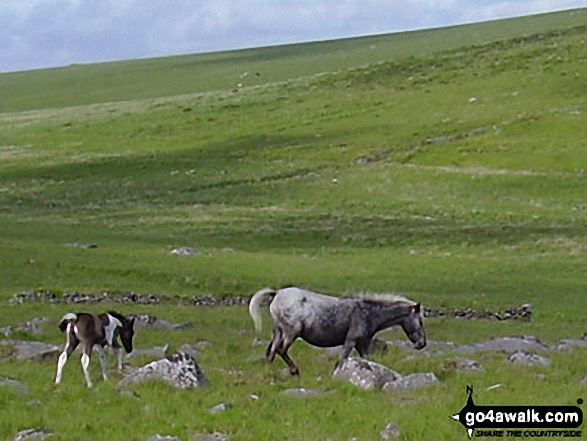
<point x="454" y="176"/>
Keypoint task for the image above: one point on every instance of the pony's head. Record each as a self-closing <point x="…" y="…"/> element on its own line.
<point x="413" y="326"/>
<point x="127" y="333"/>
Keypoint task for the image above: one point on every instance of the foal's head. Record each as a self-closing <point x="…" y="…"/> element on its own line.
<point x="413" y="326"/>
<point x="127" y="331"/>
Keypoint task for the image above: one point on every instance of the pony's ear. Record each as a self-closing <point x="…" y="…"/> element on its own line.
<point x="417" y="308"/>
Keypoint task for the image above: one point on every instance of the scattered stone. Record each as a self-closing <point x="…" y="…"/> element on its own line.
<point x="32" y="350"/>
<point x="155" y="351"/>
<point x="202" y="344"/>
<point x="216" y="436"/>
<point x="412" y="381"/>
<point x="185" y="252"/>
<point x="494" y="386"/>
<point x="33" y="434"/>
<point x="527" y="359"/>
<point x="163" y="438"/>
<point x="82" y="245"/>
<point x="364" y="374"/>
<point x="148" y="321"/>
<point x="390" y="431"/>
<point x="302" y="392"/>
<point x="464" y="364"/>
<point x="567" y="344"/>
<point x="225" y="405"/>
<point x="180" y="370"/>
<point x="15" y="385"/>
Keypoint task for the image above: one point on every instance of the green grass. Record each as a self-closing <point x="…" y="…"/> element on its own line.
<point x="449" y="168"/>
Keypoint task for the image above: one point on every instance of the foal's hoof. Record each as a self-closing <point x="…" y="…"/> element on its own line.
<point x="295" y="372"/>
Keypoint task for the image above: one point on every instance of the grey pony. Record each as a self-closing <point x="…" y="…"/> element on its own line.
<point x="327" y="321"/>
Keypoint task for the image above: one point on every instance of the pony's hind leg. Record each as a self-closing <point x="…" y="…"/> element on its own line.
<point x="282" y="351"/>
<point x="274" y="345"/>
<point x="70" y="345"/>
<point x="86" y="364"/>
<point x="103" y="361"/>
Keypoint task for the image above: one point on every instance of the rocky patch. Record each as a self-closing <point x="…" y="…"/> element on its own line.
<point x="508" y="344"/>
<point x="527" y="359"/>
<point x="163" y="438"/>
<point x="128" y="297"/>
<point x="412" y="381"/>
<point x="32" y="326"/>
<point x="219" y="408"/>
<point x="390" y="431"/>
<point x="179" y="370"/>
<point x="185" y="252"/>
<point x="301" y="392"/>
<point x="216" y="436"/>
<point x="523" y="312"/>
<point x="32" y="350"/>
<point x="33" y="434"/>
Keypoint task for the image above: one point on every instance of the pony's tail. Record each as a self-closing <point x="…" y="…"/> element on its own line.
<point x="255" y="306"/>
<point x="65" y="320"/>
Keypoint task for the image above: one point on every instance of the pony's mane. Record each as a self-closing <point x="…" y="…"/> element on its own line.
<point x="385" y="298"/>
<point x="120" y="317"/>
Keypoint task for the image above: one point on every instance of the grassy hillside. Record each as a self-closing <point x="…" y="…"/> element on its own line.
<point x="452" y="174"/>
<point x="120" y="81"/>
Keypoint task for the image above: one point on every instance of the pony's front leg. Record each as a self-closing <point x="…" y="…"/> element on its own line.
<point x="86" y="364"/>
<point x="103" y="361"/>
<point x="118" y="353"/>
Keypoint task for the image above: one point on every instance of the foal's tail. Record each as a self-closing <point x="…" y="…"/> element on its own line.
<point x="255" y="305"/>
<point x="66" y="320"/>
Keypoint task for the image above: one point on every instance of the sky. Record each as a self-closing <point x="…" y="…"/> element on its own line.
<point x="49" y="33"/>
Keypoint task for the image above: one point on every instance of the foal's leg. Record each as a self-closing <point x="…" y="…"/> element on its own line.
<point x="70" y="345"/>
<point x="103" y="362"/>
<point x="86" y="363"/>
<point x="117" y="349"/>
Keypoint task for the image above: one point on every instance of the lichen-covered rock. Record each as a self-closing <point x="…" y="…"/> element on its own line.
<point x="32" y="350"/>
<point x="225" y="405"/>
<point x="301" y="392"/>
<point x="180" y="370"/>
<point x="32" y="434"/>
<point x="364" y="374"/>
<point x="390" y="431"/>
<point x="163" y="438"/>
<point x="527" y="359"/>
<point x="412" y="381"/>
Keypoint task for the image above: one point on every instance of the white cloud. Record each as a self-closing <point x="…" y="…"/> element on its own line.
<point x="40" y="33"/>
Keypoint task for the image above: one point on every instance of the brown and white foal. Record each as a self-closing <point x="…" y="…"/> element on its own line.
<point x="99" y="330"/>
